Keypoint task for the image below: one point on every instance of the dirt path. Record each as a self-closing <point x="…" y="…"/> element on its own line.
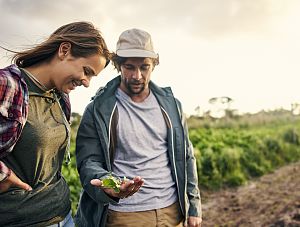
<point x="272" y="200"/>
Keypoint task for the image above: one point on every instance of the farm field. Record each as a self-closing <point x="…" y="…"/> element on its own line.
<point x="248" y="169"/>
<point x="272" y="200"/>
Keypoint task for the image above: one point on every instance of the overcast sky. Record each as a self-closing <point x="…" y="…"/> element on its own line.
<point x="246" y="49"/>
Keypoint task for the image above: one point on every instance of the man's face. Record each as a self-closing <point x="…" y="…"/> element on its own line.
<point x="135" y="74"/>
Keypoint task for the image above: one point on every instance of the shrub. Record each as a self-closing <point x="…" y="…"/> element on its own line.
<point x="291" y="136"/>
<point x="231" y="156"/>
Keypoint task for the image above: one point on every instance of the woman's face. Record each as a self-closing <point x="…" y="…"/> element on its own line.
<point x="71" y="72"/>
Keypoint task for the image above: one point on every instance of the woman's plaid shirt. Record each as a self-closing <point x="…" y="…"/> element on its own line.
<point x="13" y="110"/>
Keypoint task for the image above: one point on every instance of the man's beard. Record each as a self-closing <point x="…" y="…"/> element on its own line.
<point x="129" y="84"/>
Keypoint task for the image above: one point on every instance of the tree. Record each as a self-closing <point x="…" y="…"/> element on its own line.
<point x="221" y="106"/>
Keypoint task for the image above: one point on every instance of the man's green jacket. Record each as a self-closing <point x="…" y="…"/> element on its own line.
<point x="95" y="144"/>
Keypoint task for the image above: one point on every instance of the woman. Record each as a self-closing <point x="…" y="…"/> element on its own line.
<point x="35" y="91"/>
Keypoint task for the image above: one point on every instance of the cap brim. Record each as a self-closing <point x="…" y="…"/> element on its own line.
<point x="136" y="53"/>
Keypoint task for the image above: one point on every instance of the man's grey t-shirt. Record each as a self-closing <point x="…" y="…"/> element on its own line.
<point x="142" y="151"/>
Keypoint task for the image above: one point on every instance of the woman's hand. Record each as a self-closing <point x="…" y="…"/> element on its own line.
<point x="13" y="180"/>
<point x="128" y="187"/>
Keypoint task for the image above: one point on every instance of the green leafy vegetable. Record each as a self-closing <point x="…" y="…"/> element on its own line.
<point x="112" y="182"/>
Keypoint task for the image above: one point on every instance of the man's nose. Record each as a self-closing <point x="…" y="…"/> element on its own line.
<point x="137" y="74"/>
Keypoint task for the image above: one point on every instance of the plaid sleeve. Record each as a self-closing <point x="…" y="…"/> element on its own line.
<point x="9" y="133"/>
<point x="11" y="111"/>
<point x="4" y="171"/>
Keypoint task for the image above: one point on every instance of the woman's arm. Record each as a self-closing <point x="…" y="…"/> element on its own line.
<point x="13" y="114"/>
<point x="13" y="108"/>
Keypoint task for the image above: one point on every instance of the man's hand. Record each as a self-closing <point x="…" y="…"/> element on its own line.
<point x="13" y="180"/>
<point x="194" y="222"/>
<point x="128" y="187"/>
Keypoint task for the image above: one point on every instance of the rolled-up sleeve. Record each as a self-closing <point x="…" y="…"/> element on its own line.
<point x="13" y="109"/>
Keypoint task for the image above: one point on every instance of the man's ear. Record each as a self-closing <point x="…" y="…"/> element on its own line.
<point x="64" y="50"/>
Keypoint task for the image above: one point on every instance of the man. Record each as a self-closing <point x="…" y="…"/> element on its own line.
<point x="136" y="129"/>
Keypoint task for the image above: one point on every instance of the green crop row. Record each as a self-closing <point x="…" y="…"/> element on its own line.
<point x="230" y="157"/>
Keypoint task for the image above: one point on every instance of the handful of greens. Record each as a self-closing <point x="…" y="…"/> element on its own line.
<point x="112" y="182"/>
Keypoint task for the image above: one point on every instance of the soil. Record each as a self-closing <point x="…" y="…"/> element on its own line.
<point x="272" y="200"/>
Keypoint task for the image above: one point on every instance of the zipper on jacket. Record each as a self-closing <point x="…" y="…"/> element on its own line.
<point x="109" y="127"/>
<point x="174" y="166"/>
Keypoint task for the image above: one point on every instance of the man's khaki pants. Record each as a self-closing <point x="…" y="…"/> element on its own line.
<point x="169" y="216"/>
